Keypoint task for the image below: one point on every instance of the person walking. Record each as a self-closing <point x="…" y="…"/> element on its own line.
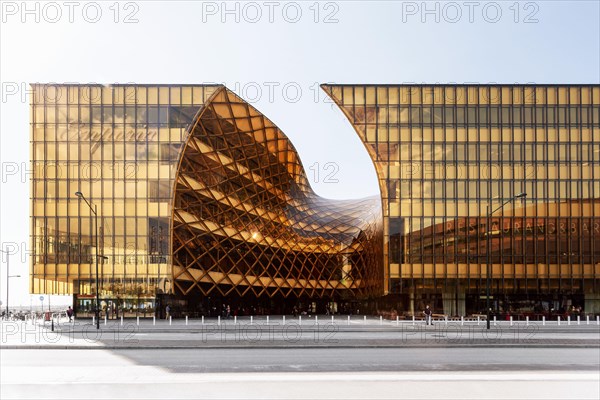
<point x="70" y="313"/>
<point x="167" y="311"/>
<point x="427" y="313"/>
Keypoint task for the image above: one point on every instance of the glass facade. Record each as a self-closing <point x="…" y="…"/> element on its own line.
<point x="448" y="156"/>
<point x="197" y="194"/>
<point x="119" y="146"/>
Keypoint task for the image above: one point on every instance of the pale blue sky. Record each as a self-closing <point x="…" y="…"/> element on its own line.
<point x="364" y="42"/>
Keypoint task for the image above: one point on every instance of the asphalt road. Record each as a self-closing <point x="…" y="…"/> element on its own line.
<point x="366" y="359"/>
<point x="300" y="373"/>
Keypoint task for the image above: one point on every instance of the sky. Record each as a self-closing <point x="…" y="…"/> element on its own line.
<point x="274" y="54"/>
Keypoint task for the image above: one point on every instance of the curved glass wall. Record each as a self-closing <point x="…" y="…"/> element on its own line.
<point x="246" y="221"/>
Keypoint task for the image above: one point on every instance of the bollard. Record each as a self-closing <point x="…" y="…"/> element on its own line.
<point x="578" y="320"/>
<point x="587" y="319"/>
<point x="284" y="319"/>
<point x="348" y="321"/>
<point x="445" y="319"/>
<point x="413" y="319"/>
<point x="121" y="320"/>
<point x="511" y="320"/>
<point x="93" y="320"/>
<point x="494" y="320"/>
<point x="267" y="320"/>
<point x="381" y="320"/>
<point x="154" y="320"/>
<point x="597" y="319"/>
<point x="478" y="320"/>
<point x="462" y="320"/>
<point x="397" y="320"/>
<point x="235" y="319"/>
<point x="251" y="319"/>
<point x="138" y="320"/>
<point x="365" y="319"/>
<point x="219" y="320"/>
<point x="527" y="320"/>
<point x="316" y="320"/>
<point x="105" y="319"/>
<point x="203" y="320"/>
<point x="300" y="320"/>
<point x="332" y="319"/>
<point x="558" y="320"/>
<point x="170" y="319"/>
<point x="186" y="319"/>
<point x="568" y="320"/>
<point x="543" y="320"/>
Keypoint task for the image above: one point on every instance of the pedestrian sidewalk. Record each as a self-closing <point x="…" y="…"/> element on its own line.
<point x="24" y="334"/>
<point x="212" y="333"/>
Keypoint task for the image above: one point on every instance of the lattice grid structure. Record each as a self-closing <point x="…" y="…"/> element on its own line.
<point x="246" y="221"/>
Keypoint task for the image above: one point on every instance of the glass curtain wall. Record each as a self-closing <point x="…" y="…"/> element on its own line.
<point x="444" y="154"/>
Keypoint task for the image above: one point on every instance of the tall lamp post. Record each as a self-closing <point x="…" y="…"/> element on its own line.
<point x="7" y="278"/>
<point x="489" y="253"/>
<point x="94" y="210"/>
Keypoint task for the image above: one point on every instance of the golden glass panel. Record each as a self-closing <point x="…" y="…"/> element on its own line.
<point x="563" y="95"/>
<point x="187" y="95"/>
<point x="152" y="93"/>
<point x="427" y="95"/>
<point x="540" y="95"/>
<point x="107" y="94"/>
<point x="357" y="97"/>
<point x="460" y="95"/>
<point x="392" y="93"/>
<point x="199" y="95"/>
<point x="506" y="95"/>
<point x="38" y="111"/>
<point x="470" y="95"/>
<point x="370" y="96"/>
<point x="163" y="95"/>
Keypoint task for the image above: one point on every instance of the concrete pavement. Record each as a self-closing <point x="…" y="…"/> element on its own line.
<point x="315" y="332"/>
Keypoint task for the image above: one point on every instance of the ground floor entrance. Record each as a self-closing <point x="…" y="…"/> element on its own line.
<point x="113" y="307"/>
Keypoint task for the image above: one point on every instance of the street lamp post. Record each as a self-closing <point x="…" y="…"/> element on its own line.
<point x="95" y="211"/>
<point x="8" y="277"/>
<point x="488" y="251"/>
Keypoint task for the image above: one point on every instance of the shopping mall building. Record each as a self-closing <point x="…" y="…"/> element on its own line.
<point x="202" y="201"/>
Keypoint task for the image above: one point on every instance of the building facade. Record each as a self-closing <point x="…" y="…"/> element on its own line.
<point x="203" y="200"/>
<point x="447" y="156"/>
<point x="198" y="197"/>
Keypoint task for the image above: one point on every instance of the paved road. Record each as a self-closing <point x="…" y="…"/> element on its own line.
<point x="284" y="373"/>
<point x="366" y="359"/>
